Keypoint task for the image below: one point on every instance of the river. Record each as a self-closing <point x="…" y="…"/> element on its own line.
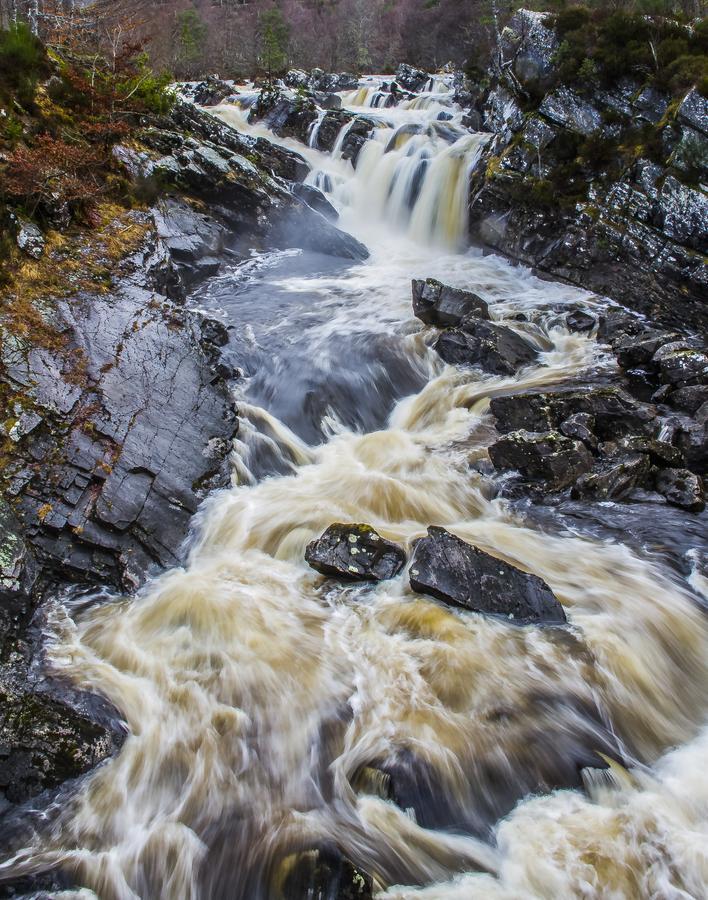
<point x="270" y="711"/>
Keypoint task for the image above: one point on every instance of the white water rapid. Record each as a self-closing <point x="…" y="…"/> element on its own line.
<point x="270" y="712"/>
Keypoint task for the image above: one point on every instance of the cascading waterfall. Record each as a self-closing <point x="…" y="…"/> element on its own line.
<point x="267" y="708"/>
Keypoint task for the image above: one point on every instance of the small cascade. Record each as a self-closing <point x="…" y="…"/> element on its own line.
<point x="315" y="128"/>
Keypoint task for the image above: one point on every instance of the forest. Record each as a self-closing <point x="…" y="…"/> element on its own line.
<point x="239" y="39"/>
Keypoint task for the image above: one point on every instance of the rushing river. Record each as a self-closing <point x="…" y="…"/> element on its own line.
<point x="270" y="711"/>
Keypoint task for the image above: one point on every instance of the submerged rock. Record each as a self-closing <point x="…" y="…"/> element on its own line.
<point x="355" y="552"/>
<point x="494" y="348"/>
<point x="549" y="457"/>
<point x="446" y="567"/>
<point x="438" y="304"/>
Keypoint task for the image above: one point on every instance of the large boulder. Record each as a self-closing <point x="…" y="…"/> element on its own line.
<point x="494" y="348"/>
<point x="615" y="413"/>
<point x="438" y="304"/>
<point x="456" y="572"/>
<point x="550" y="457"/>
<point x="355" y="553"/>
<point x="195" y="240"/>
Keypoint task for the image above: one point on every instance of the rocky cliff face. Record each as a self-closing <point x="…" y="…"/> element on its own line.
<point x="603" y="187"/>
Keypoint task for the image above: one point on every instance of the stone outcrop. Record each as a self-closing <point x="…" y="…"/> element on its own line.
<point x="494" y="348"/>
<point x="555" y="191"/>
<point x="355" y="553"/>
<point x="446" y="567"/>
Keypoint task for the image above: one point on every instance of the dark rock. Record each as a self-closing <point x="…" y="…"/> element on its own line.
<point x="410" y="78"/>
<point x="549" y="457"/>
<point x="302" y="226"/>
<point x="642" y="384"/>
<point x="330" y="127"/>
<point x="692" y="440"/>
<point x="637" y="351"/>
<point x="355" y="552"/>
<point x="214" y="332"/>
<point x="689" y="399"/>
<point x="437" y="304"/>
<point x="614" y="411"/>
<point x="332" y="81"/>
<point x="456" y="572"/>
<point x="579" y="320"/>
<point x="612" y="478"/>
<point x="619" y="324"/>
<point x="289" y="117"/>
<point x="580" y="426"/>
<point x="281" y="162"/>
<point x="195" y="241"/>
<point x="494" y="348"/>
<point x="112" y="486"/>
<point x="316" y="200"/>
<point x="212" y="91"/>
<point x="683" y="366"/>
<point x="681" y="488"/>
<point x="661" y="453"/>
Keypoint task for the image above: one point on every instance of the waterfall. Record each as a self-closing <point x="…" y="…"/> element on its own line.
<point x="270" y="711"/>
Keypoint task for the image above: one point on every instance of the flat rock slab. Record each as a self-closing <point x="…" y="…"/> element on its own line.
<point x="356" y="553"/>
<point x="446" y="567"/>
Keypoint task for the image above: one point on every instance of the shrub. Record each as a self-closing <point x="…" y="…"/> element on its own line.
<point x="23" y="60"/>
<point x="53" y="172"/>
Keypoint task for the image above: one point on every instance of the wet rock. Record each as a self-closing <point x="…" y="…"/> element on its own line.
<point x="612" y="478"/>
<point x="660" y="453"/>
<point x="446" y="567"/>
<point x="637" y="351"/>
<point x="316" y="200"/>
<point x="682" y="488"/>
<point x="29" y="238"/>
<point x="410" y="78"/>
<point x="289" y="117"/>
<point x="212" y="91"/>
<point x="580" y="426"/>
<point x="689" y="399"/>
<point x="296" y="78"/>
<point x="549" y="457"/>
<point x="619" y="324"/>
<point x="355" y="552"/>
<point x="302" y="226"/>
<point x="438" y="304"/>
<point x="580" y="321"/>
<point x="502" y="112"/>
<point x="195" y="240"/>
<point x="692" y="439"/>
<point x="281" y="162"/>
<point x="615" y="412"/>
<point x="332" y="81"/>
<point x="494" y="348"/>
<point x="682" y="366"/>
